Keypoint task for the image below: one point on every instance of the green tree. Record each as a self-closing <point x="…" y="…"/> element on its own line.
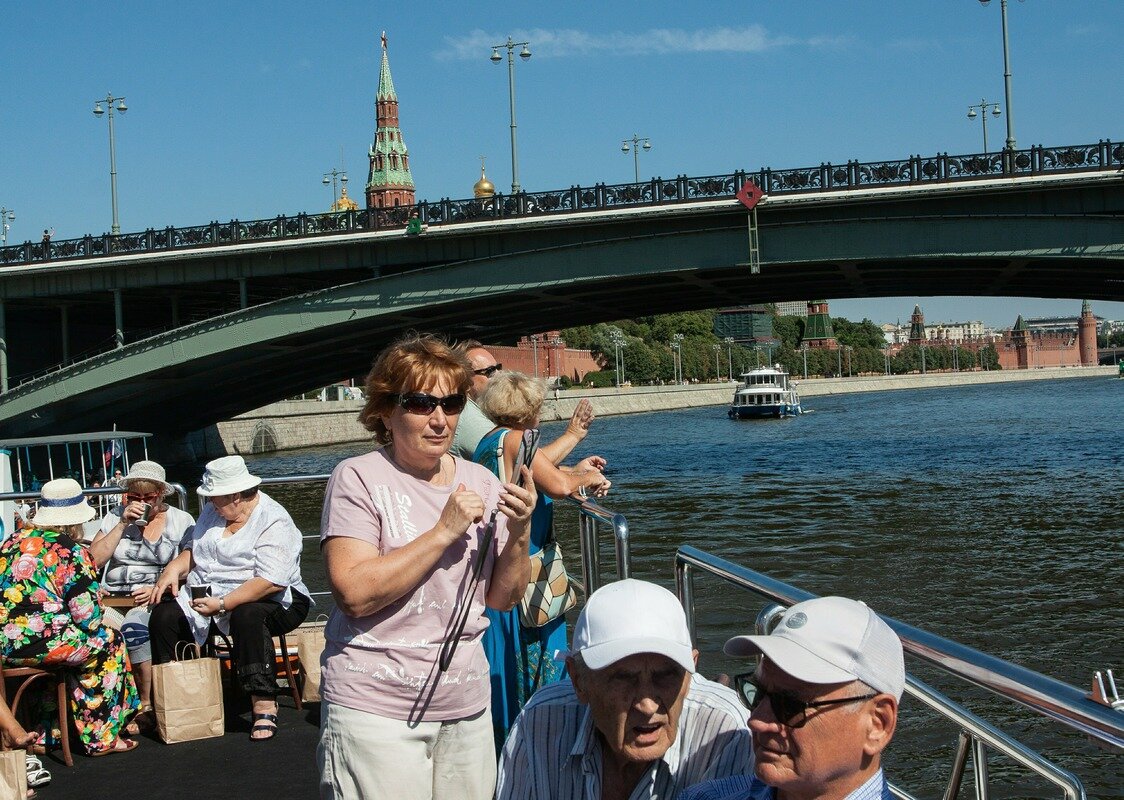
<point x="788" y="330"/>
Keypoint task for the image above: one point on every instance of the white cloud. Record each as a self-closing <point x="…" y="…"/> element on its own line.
<point x="655" y="41"/>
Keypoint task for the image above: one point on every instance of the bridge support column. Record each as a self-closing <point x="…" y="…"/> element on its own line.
<point x="3" y="350"/>
<point x="243" y="295"/>
<point x="64" y="318"/>
<point x="118" y="319"/>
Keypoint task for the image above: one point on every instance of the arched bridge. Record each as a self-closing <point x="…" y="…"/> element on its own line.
<point x="255" y="321"/>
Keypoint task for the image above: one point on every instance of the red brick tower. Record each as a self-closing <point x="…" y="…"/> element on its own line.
<point x="389" y="183"/>
<point x="1020" y="338"/>
<point x="1087" y="336"/>
<point x="917" y="326"/>
<point x="818" y="334"/>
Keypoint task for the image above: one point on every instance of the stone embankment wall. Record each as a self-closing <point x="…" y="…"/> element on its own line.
<point x="310" y="423"/>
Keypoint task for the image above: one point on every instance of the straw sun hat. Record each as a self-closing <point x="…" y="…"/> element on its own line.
<point x="146" y="471"/>
<point x="62" y="503"/>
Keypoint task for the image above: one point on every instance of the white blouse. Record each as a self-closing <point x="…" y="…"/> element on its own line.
<point x="268" y="546"/>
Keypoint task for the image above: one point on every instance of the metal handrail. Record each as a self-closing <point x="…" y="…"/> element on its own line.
<point x="1046" y="696"/>
<point x="180" y="492"/>
<point x="591" y="516"/>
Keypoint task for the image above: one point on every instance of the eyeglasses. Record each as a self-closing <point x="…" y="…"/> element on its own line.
<point x="422" y="403"/>
<point x="789" y="710"/>
<point x="136" y="498"/>
<point x="488" y="372"/>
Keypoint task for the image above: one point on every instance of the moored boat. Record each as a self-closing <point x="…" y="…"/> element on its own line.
<point x="765" y="392"/>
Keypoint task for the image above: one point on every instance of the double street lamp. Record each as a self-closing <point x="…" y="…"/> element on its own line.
<point x="524" y="54"/>
<point x="982" y="106"/>
<point x="6" y="216"/>
<point x="677" y="357"/>
<point x="337" y="177"/>
<point x="1006" y="74"/>
<point x="729" y="342"/>
<point x="98" y="111"/>
<point x="637" y="143"/>
<point x="619" y="344"/>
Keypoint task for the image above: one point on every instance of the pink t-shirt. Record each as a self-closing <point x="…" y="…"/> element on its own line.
<point x="386" y="663"/>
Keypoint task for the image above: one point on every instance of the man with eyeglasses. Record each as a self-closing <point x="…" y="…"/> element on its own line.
<point x="634" y="720"/>
<point x="824" y="702"/>
<point x="473" y="425"/>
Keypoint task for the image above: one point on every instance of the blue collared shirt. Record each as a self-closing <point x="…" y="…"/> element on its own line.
<point x="554" y="753"/>
<point x="749" y="787"/>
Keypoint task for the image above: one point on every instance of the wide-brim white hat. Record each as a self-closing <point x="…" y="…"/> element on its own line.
<point x="146" y="471"/>
<point x="226" y="475"/>
<point x="62" y="503"/>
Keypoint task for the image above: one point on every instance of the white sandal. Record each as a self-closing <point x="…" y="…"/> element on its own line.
<point x="37" y="775"/>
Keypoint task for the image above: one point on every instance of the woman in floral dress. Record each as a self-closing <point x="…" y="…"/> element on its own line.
<point x="50" y="617"/>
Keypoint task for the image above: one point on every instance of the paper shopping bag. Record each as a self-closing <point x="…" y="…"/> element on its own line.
<point x="13" y="775"/>
<point x="310" y="644"/>
<point x="187" y="699"/>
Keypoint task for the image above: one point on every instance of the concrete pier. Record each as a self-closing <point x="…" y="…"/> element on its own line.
<point x="310" y="423"/>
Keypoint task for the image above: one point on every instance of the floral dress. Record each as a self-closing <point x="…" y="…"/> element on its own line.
<point x="51" y="617"/>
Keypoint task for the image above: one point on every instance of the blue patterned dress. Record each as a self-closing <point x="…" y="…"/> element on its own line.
<point x="520" y="659"/>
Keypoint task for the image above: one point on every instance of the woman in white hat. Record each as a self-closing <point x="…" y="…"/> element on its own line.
<point x="136" y="541"/>
<point x="245" y="550"/>
<point x="51" y="618"/>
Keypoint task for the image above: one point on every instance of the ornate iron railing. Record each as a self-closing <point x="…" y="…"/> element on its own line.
<point x="915" y="170"/>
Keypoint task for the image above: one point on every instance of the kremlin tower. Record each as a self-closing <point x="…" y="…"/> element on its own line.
<point x="1087" y="335"/>
<point x="917" y="326"/>
<point x="389" y="182"/>
<point x="817" y="329"/>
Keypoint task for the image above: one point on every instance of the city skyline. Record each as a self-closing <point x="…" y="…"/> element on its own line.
<point x="238" y="112"/>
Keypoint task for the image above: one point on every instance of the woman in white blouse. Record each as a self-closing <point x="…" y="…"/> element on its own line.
<point x="246" y="549"/>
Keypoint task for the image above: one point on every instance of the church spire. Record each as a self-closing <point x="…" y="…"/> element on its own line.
<point x="389" y="182"/>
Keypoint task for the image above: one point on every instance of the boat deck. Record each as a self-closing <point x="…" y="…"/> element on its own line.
<point x="231" y="766"/>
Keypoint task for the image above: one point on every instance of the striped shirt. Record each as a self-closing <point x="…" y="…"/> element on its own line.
<point x="748" y="787"/>
<point x="554" y="753"/>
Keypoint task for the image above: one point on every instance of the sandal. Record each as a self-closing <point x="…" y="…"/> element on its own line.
<point x="143" y="722"/>
<point x="36" y="774"/>
<point x="120" y="746"/>
<point x="263" y="722"/>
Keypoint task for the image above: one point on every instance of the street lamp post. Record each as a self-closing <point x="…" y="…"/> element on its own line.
<point x="337" y="177"/>
<point x="982" y="106"/>
<point x="729" y="340"/>
<point x="1006" y="74"/>
<point x="524" y="54"/>
<point x="804" y="350"/>
<point x="677" y="352"/>
<point x="535" y="351"/>
<point x="637" y="143"/>
<point x="6" y="216"/>
<point x="121" y="108"/>
<point x="618" y="354"/>
<point x="717" y="368"/>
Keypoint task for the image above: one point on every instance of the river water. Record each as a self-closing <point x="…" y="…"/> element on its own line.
<point x="990" y="515"/>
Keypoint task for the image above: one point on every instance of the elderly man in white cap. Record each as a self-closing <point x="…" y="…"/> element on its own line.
<point x="635" y="720"/>
<point x="825" y="704"/>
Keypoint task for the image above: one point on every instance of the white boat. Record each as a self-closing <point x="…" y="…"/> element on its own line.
<point x="765" y="392"/>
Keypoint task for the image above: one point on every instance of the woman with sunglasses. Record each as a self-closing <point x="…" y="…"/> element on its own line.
<point x="521" y="659"/>
<point x="138" y="538"/>
<point x="415" y="542"/>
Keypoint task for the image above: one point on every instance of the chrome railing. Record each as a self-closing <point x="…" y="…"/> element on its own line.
<point x="1044" y="695"/>
<point x="591" y="518"/>
<point x="106" y="496"/>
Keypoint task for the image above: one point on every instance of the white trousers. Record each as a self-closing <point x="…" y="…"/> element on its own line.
<point x="363" y="756"/>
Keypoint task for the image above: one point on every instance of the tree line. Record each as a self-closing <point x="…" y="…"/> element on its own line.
<point x="649" y="357"/>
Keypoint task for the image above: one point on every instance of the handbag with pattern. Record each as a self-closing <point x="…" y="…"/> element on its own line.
<point x="550" y="594"/>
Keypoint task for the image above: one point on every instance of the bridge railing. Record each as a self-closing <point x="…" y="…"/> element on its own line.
<point x="915" y="170"/>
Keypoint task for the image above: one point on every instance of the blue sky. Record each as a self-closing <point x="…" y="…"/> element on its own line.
<point x="236" y="110"/>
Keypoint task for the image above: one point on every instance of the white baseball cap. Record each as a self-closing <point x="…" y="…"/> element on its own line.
<point x="831" y="640"/>
<point x="628" y="617"/>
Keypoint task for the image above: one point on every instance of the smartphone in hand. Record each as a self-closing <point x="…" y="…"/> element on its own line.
<point x="525" y="454"/>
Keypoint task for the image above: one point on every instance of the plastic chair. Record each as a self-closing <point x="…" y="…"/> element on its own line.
<point x="29" y="675"/>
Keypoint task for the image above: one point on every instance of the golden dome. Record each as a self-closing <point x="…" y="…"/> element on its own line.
<point x="483" y="187"/>
<point x="345" y="203"/>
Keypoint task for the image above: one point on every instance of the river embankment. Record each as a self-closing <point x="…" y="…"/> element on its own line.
<point x="292" y="424"/>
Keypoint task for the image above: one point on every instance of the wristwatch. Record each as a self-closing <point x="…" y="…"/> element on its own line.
<point x="222" y="604"/>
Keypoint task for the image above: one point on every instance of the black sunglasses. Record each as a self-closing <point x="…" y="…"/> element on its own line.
<point x="789" y="710"/>
<point x="422" y="403"/>
<point x="488" y="372"/>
